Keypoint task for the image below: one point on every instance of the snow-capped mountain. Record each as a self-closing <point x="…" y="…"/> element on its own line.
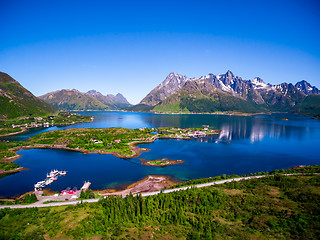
<point x="271" y="97"/>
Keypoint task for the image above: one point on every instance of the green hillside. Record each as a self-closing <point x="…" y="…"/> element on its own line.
<point x="139" y="108"/>
<point x="16" y="101"/>
<point x="310" y="106"/>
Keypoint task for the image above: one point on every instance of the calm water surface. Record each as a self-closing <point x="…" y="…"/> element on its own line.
<point x="246" y="144"/>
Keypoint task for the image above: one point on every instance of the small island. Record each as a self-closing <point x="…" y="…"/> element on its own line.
<point x="160" y="162"/>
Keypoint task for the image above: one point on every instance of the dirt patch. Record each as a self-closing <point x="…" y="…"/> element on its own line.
<point x="150" y="183"/>
<point x="232" y="191"/>
<point x="274" y="191"/>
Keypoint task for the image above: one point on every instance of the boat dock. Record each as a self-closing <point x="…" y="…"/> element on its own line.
<point x="52" y="176"/>
<point x="85" y="186"/>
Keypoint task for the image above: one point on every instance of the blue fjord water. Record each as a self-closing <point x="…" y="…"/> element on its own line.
<point x="245" y="144"/>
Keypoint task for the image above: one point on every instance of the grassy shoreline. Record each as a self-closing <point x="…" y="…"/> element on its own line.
<point x="9" y="127"/>
<point x="274" y="207"/>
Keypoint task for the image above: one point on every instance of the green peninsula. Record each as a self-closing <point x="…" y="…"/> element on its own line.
<point x="120" y="142"/>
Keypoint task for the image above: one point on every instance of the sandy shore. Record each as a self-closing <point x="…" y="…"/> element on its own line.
<point x="150" y="183"/>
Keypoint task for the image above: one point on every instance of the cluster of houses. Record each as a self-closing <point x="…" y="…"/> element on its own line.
<point x="196" y="133"/>
<point x="34" y="124"/>
<point x="68" y="190"/>
<point x="97" y="141"/>
<point x="74" y="190"/>
<point x="191" y="133"/>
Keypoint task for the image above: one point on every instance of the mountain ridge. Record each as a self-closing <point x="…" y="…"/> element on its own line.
<point x="72" y="99"/>
<point x="117" y="101"/>
<point x="256" y="93"/>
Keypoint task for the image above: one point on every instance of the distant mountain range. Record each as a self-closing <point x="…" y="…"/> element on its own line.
<point x="177" y="93"/>
<point x="226" y="92"/>
<point x="92" y="100"/>
<point x="16" y="101"/>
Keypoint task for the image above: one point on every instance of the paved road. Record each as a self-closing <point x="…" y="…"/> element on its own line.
<point x="142" y="194"/>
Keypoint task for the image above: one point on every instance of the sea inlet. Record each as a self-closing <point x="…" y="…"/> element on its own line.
<point x="246" y="144"/>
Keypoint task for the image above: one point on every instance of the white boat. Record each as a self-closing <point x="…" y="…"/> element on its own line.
<point x="62" y="172"/>
<point x="49" y="181"/>
<point x="53" y="173"/>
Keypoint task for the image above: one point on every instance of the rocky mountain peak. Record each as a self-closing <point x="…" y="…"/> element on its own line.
<point x="255" y="90"/>
<point x="121" y="98"/>
<point x="169" y="86"/>
<point x="257" y="79"/>
<point x="306" y="88"/>
<point x="92" y="92"/>
<point x="229" y="74"/>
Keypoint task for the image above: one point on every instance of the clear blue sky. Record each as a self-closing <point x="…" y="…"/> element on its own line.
<point x="131" y="46"/>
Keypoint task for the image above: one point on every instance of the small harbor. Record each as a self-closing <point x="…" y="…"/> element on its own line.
<point x="50" y="178"/>
<point x="68" y="194"/>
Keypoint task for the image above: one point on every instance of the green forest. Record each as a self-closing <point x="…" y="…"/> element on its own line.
<point x="275" y="207"/>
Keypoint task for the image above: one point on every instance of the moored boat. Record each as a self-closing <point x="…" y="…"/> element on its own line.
<point x="62" y="172"/>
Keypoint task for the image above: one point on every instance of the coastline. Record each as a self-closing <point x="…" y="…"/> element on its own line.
<point x="149" y="183"/>
<point x="134" y="149"/>
<point x="152" y="182"/>
<point x="23" y="130"/>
